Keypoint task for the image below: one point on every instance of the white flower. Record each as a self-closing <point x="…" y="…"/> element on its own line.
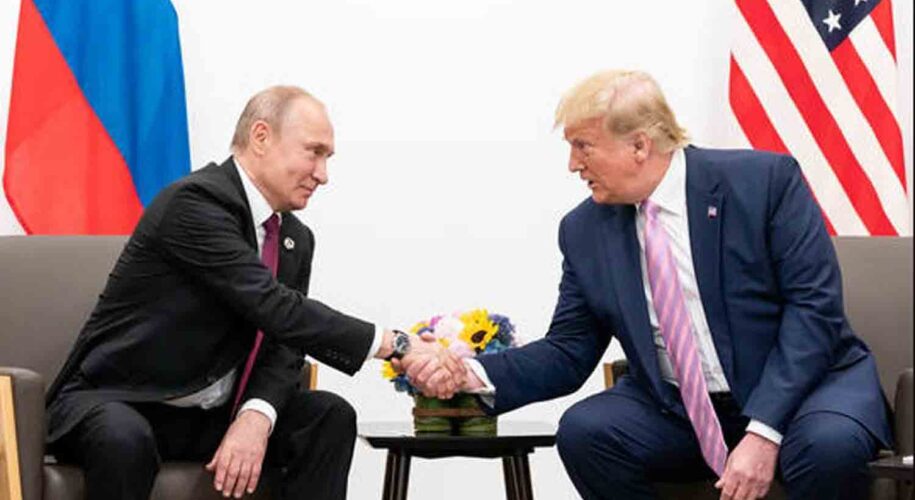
<point x="449" y="327"/>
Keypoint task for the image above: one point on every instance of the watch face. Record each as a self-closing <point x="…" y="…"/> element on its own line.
<point x="401" y="344"/>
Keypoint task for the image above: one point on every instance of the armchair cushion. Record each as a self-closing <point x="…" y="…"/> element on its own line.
<point x="176" y="481"/>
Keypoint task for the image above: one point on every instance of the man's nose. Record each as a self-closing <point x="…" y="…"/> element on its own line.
<point x="320" y="173"/>
<point x="574" y="163"/>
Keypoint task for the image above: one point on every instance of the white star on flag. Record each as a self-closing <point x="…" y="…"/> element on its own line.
<point x="833" y="21"/>
<point x="859" y="1"/>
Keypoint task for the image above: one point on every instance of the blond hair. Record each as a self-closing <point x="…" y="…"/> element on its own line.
<point x="270" y="106"/>
<point x="628" y="102"/>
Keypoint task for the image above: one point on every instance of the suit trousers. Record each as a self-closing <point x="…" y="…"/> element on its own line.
<point x="615" y="446"/>
<point x="120" y="445"/>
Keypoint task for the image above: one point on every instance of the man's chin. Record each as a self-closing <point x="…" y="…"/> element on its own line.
<point x="604" y="198"/>
<point x="600" y="198"/>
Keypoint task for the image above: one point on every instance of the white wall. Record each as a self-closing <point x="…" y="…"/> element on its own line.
<point x="449" y="184"/>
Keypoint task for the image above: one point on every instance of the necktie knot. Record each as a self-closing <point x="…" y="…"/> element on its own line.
<point x="649" y="208"/>
<point x="272" y="225"/>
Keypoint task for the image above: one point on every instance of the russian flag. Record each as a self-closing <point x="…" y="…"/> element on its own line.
<point x="97" y="118"/>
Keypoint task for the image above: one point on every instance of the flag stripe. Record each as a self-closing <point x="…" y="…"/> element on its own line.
<point x="792" y="129"/>
<point x="883" y="20"/>
<point x="755" y="122"/>
<point x="63" y="173"/>
<point x="879" y="62"/>
<point x="858" y="136"/>
<point x="870" y="101"/>
<point x="826" y="132"/>
<point x="126" y="59"/>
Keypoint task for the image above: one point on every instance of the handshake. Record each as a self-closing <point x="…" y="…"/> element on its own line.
<point x="431" y="368"/>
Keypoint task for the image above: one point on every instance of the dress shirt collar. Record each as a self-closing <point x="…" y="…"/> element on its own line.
<point x="670" y="193"/>
<point x="260" y="208"/>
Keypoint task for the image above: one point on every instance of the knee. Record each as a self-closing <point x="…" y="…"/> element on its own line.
<point x="833" y="445"/>
<point x="345" y="416"/>
<point x="578" y="430"/>
<point x="122" y="437"/>
<point x="340" y="416"/>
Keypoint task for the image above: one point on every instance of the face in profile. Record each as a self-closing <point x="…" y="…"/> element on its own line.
<point x="295" y="156"/>
<point x="611" y="167"/>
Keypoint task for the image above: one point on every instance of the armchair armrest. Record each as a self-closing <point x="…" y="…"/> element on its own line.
<point x="613" y="371"/>
<point x="310" y="375"/>
<point x="904" y="413"/>
<point x="29" y="411"/>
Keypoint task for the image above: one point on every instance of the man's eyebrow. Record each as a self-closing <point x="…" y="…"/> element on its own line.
<point x="320" y="147"/>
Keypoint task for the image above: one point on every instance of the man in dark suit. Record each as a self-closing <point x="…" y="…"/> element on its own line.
<point x="195" y="348"/>
<point x="715" y="272"/>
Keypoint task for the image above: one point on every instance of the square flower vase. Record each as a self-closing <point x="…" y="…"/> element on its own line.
<point x="460" y="416"/>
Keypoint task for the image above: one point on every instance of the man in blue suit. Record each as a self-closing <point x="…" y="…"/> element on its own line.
<point x="767" y="373"/>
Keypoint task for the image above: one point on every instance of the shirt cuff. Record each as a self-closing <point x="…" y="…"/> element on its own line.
<point x="487" y="393"/>
<point x="260" y="406"/>
<point x="763" y="430"/>
<point x="376" y="342"/>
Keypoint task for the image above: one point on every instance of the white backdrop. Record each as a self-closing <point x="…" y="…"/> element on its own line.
<point x="448" y="184"/>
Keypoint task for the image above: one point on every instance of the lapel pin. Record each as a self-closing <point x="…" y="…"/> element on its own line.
<point x="712" y="212"/>
<point x="289" y="243"/>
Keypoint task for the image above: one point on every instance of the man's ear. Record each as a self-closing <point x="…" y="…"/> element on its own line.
<point x="641" y="146"/>
<point x="259" y="137"/>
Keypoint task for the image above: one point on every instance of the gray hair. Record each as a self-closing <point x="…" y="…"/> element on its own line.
<point x="270" y="106"/>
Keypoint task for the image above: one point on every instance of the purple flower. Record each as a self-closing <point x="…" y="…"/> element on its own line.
<point x="506" y="333"/>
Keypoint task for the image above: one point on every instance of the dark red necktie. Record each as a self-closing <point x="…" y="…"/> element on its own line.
<point x="269" y="256"/>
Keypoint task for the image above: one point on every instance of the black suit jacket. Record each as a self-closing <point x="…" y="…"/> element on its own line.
<point x="183" y="303"/>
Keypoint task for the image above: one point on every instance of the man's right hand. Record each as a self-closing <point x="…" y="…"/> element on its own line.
<point x="237" y="463"/>
<point x="433" y="369"/>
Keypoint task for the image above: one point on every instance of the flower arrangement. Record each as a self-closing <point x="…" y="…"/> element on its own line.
<point x="466" y="334"/>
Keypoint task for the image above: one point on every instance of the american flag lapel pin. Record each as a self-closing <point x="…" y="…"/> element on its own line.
<point x="712" y="212"/>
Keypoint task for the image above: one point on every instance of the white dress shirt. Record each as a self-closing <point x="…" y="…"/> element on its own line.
<point x="670" y="196"/>
<point x="220" y="391"/>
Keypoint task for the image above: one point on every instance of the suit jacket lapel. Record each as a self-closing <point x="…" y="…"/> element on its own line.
<point x="620" y="235"/>
<point x="705" y="204"/>
<point x="288" y="261"/>
<point x="231" y="174"/>
<point x="290" y="251"/>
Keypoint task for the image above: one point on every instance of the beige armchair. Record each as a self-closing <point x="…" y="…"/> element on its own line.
<point x="877" y="284"/>
<point x="50" y="284"/>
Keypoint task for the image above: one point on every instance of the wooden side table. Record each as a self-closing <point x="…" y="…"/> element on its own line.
<point x="513" y="443"/>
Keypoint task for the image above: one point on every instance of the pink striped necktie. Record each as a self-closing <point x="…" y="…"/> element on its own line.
<point x="269" y="256"/>
<point x="677" y="331"/>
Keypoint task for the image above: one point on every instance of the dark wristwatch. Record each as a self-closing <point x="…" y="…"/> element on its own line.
<point x="400" y="345"/>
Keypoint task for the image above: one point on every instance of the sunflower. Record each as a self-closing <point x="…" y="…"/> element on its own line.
<point x="478" y="329"/>
<point x="387" y="370"/>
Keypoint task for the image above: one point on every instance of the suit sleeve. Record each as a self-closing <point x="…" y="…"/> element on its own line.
<point x="807" y="273"/>
<point x="557" y="364"/>
<point x="200" y="236"/>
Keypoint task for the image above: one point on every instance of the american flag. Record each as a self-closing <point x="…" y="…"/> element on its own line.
<point x="817" y="79"/>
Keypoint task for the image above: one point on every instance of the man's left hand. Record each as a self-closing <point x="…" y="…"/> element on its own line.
<point x="749" y="469"/>
<point x="237" y="462"/>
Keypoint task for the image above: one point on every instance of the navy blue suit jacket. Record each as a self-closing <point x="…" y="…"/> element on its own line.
<point x="770" y="287"/>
